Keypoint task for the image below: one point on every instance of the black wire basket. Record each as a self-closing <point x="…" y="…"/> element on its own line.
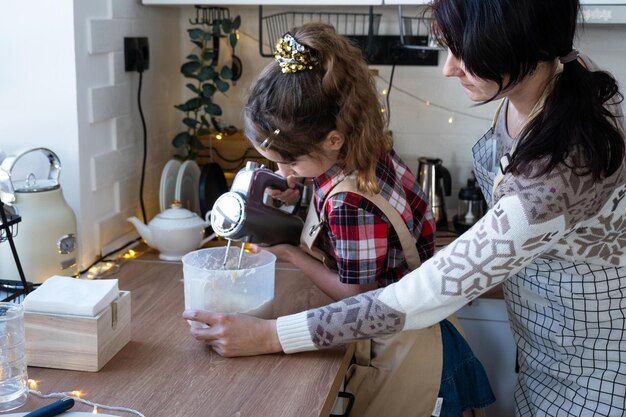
<point x="272" y="27"/>
<point x="416" y="31"/>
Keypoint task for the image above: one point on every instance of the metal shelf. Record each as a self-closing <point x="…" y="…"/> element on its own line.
<point x="273" y="27"/>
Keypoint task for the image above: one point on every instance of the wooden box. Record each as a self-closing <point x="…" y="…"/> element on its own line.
<point x="76" y="342"/>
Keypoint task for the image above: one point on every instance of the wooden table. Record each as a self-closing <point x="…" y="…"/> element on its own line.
<point x="165" y="372"/>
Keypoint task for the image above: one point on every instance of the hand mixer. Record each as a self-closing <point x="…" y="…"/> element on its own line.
<point x="243" y="215"/>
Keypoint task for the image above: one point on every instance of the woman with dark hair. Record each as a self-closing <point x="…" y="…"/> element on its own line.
<point x="552" y="168"/>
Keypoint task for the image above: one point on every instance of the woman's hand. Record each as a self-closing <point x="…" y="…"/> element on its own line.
<point x="235" y="334"/>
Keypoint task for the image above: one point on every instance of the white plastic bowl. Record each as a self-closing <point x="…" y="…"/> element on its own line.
<point x="248" y="290"/>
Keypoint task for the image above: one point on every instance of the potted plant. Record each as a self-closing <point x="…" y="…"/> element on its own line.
<point x="205" y="78"/>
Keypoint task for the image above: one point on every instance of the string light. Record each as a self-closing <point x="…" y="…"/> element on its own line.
<point x="76" y="395"/>
<point x="130" y="254"/>
<point x="438" y="106"/>
<point x="384" y="92"/>
<point x="101" y="269"/>
<point x="219" y="136"/>
<point x="32" y="384"/>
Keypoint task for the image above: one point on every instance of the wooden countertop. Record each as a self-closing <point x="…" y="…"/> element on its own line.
<point x="164" y="371"/>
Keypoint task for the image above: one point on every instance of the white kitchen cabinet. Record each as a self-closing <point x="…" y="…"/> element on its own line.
<point x="488" y="332"/>
<point x="264" y="2"/>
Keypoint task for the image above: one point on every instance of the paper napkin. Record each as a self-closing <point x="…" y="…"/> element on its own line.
<point x="73" y="296"/>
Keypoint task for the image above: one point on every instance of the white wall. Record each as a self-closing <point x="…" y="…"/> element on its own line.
<point x="63" y="86"/>
<point x="38" y="85"/>
<point x="108" y="116"/>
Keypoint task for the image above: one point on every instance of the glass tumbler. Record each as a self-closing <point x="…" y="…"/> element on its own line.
<point x="13" y="372"/>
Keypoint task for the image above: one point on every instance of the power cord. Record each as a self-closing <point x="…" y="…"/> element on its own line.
<point x="393" y="70"/>
<point x="140" y="70"/>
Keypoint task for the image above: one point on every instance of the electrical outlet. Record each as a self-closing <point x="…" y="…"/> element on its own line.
<point x="136" y="54"/>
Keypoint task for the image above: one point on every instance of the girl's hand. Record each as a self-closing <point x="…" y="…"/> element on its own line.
<point x="290" y="196"/>
<point x="284" y="252"/>
<point x="235" y="334"/>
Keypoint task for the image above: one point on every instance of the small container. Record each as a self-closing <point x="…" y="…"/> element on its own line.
<point x="210" y="286"/>
<point x="471" y="206"/>
<point x="13" y="374"/>
<point x="78" y="343"/>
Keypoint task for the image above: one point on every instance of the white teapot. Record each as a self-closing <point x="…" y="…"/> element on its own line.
<point x="174" y="232"/>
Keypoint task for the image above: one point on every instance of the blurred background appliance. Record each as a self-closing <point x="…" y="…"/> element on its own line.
<point x="436" y="182"/>
<point x="46" y="241"/>
<point x="471" y="206"/>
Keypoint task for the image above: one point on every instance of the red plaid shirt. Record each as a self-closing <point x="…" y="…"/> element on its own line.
<point x="358" y="235"/>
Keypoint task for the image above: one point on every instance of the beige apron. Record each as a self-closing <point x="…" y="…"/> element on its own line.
<point x="397" y="375"/>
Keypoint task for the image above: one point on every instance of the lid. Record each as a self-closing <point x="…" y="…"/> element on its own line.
<point x="34" y="185"/>
<point x="176" y="216"/>
<point x="471" y="191"/>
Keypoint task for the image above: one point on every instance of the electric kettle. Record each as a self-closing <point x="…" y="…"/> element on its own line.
<point x="46" y="237"/>
<point x="245" y="214"/>
<point x="436" y="183"/>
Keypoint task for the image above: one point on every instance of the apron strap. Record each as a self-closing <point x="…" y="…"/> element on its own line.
<point x="411" y="254"/>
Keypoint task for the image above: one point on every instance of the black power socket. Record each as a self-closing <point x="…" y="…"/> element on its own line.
<point x="136" y="54"/>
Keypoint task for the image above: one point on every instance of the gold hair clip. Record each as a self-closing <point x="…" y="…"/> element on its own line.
<point x="268" y="140"/>
<point x="293" y="56"/>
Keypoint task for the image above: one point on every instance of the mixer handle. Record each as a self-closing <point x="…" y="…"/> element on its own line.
<point x="264" y="178"/>
<point x="446" y="177"/>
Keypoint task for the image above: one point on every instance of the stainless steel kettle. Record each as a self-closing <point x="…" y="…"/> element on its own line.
<point x="46" y="237"/>
<point x="436" y="182"/>
<point x="244" y="213"/>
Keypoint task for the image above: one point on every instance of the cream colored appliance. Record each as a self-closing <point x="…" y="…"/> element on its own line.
<point x="46" y="237"/>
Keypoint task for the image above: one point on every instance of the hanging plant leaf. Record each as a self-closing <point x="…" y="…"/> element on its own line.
<point x="193" y="104"/>
<point x="221" y="85"/>
<point x="226" y="73"/>
<point x="193" y="88"/>
<point x="213" y="109"/>
<point x="181" y="140"/>
<point x="195" y="34"/>
<point x="206" y="73"/>
<point x="192" y="123"/>
<point x="208" y="55"/>
<point x="208" y="90"/>
<point x="237" y="22"/>
<point x="201" y="113"/>
<point x="227" y="25"/>
<point x="189" y="69"/>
